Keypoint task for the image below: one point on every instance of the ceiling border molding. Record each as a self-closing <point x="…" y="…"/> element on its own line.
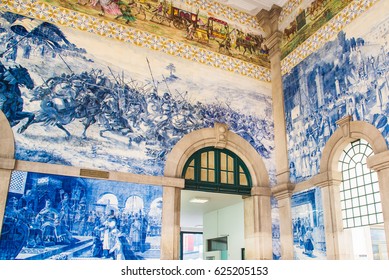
<point x="326" y="33"/>
<point x="87" y="23"/>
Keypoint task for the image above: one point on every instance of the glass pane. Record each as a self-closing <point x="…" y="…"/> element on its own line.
<point x="372" y="219"/>
<point x="230" y="178"/>
<point x="204" y="160"/>
<point x="230" y="164"/>
<point x="192" y="246"/>
<point x="374" y="176"/>
<point x="352" y="173"/>
<point x="369" y="188"/>
<point x="364" y="210"/>
<point x="191" y="163"/>
<point x="355" y="202"/>
<point x="376" y="188"/>
<point x="211" y="175"/>
<point x="371" y="209"/>
<point x="362" y="200"/>
<point x="223" y="161"/>
<point x="243" y="179"/>
<point x="223" y="177"/>
<point x="367" y="179"/>
<point x="370" y="198"/>
<point x="211" y="160"/>
<point x="347" y="194"/>
<point x="189" y="173"/>
<point x="203" y="176"/>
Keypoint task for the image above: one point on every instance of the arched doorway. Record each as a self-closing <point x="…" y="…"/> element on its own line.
<point x="257" y="231"/>
<point x="209" y="173"/>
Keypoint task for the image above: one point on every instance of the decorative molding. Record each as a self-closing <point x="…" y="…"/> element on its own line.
<point x="83" y="22"/>
<point x="344" y="124"/>
<point x="379" y="161"/>
<point x="221" y="131"/>
<point x="283" y="191"/>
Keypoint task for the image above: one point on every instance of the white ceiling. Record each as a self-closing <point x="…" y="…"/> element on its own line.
<point x="252" y="7"/>
<point x="192" y="213"/>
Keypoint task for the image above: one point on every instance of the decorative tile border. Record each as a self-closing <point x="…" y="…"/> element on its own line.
<point x="288" y="8"/>
<point x="83" y="22"/>
<point x="325" y="33"/>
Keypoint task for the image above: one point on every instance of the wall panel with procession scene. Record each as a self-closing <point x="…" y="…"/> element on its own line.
<point x="347" y="76"/>
<point x="308" y="225"/>
<point x="66" y="218"/>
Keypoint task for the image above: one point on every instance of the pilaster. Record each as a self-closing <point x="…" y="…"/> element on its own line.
<point x="170" y="235"/>
<point x="283" y="194"/>
<point x="336" y="241"/>
<point x="380" y="164"/>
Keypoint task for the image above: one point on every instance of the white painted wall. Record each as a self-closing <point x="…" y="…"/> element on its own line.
<point x="228" y="221"/>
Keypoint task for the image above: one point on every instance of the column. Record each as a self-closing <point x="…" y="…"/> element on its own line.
<point x="7" y="162"/>
<point x="283" y="194"/>
<point x="283" y="191"/>
<point x="170" y="236"/>
<point x="336" y="242"/>
<point x="380" y="164"/>
<point x="258" y="225"/>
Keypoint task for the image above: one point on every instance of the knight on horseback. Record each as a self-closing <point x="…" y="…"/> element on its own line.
<point x="11" y="101"/>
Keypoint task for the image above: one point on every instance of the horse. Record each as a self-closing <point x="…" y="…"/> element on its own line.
<point x="11" y="101"/>
<point x="56" y="111"/>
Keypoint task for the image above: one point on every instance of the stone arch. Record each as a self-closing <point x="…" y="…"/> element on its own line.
<point x="329" y="179"/>
<point x="346" y="133"/>
<point x="210" y="137"/>
<point x="257" y="207"/>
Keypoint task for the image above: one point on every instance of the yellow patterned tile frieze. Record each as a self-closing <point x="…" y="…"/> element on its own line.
<point x="102" y="27"/>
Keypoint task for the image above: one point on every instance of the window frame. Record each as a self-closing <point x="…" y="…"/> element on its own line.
<point x="216" y="186"/>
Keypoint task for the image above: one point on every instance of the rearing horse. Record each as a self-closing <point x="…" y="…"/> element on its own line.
<point x="11" y="101"/>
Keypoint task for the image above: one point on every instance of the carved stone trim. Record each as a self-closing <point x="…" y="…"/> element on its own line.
<point x="344" y="124"/>
<point x="221" y="132"/>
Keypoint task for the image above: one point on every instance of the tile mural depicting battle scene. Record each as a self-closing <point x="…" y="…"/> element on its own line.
<point x="67" y="218"/>
<point x="347" y="76"/>
<point x="308" y="225"/>
<point x="76" y="98"/>
<point x="207" y="24"/>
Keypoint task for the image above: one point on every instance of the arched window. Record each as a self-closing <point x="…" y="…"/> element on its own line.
<point x="359" y="191"/>
<point x="217" y="170"/>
